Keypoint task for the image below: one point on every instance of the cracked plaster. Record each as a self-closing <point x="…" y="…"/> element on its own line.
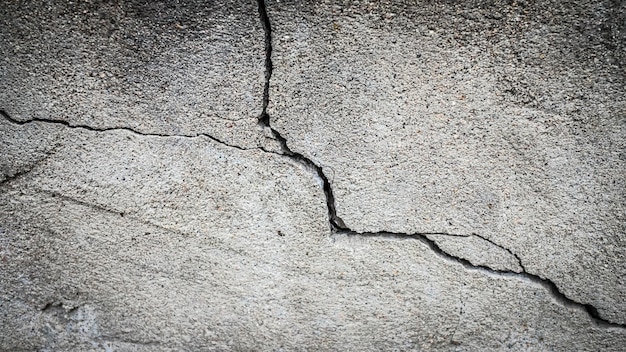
<point x="506" y="121"/>
<point x="159" y="182"/>
<point x="155" y="67"/>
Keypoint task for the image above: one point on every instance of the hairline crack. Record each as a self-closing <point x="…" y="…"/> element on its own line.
<point x="67" y="124"/>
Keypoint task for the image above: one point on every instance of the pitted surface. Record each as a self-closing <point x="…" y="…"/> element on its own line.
<point x="507" y="121"/>
<point x="424" y="176"/>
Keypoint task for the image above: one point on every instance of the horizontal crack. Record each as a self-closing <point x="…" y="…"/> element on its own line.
<point x="6" y="116"/>
<point x="396" y="235"/>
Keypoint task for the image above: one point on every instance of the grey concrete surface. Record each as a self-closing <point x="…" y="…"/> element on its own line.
<point x="480" y="252"/>
<point x="186" y="67"/>
<point x="122" y="242"/>
<point x="428" y="176"/>
<point x="507" y="120"/>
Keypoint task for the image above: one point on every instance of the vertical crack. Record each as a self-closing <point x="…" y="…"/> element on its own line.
<point x="337" y="226"/>
<point x="335" y="222"/>
<point x="548" y="284"/>
<point x="264" y="119"/>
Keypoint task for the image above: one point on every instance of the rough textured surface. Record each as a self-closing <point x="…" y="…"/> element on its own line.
<point x="474" y="201"/>
<point x="163" y="243"/>
<point x="186" y="67"/>
<point x="505" y="120"/>
<point x="479" y="251"/>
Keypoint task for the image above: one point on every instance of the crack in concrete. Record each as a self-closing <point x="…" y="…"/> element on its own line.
<point x="26" y="171"/>
<point x="264" y="120"/>
<point x="337" y="225"/>
<point x="548" y="284"/>
<point x="519" y="260"/>
<point x="7" y="117"/>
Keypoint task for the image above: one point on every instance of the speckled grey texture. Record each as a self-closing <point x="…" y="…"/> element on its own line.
<point x="123" y="242"/>
<point x="480" y="252"/>
<point x="185" y="67"/>
<point x="504" y="120"/>
<point x="483" y="208"/>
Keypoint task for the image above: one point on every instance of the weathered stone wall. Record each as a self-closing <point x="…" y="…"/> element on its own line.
<point x="312" y="175"/>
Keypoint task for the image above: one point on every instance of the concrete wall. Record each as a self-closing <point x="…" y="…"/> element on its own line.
<point x="312" y="175"/>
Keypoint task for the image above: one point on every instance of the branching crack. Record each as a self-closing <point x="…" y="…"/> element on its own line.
<point x="519" y="260"/>
<point x="550" y="286"/>
<point x="339" y="227"/>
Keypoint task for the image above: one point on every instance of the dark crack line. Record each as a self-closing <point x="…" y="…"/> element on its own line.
<point x="395" y="235"/>
<point x="264" y="119"/>
<point x="335" y="222"/>
<point x="57" y="305"/>
<point x="519" y="260"/>
<point x="7" y="117"/>
<point x="26" y="171"/>
<point x="550" y="286"/>
<point x="339" y="227"/>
